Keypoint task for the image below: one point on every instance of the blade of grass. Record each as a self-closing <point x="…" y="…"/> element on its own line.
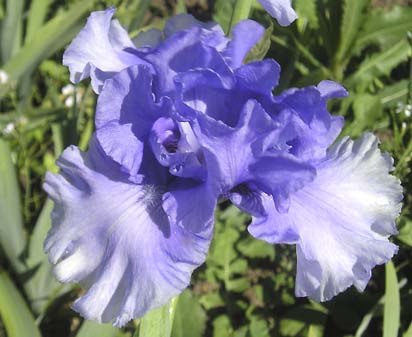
<point x="11" y="29"/>
<point x="14" y="312"/>
<point x="159" y="322"/>
<point x="392" y="306"/>
<point x="12" y="236"/>
<point x="47" y="40"/>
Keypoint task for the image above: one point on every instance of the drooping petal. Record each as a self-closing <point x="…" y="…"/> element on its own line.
<point x="100" y="50"/>
<point x="281" y="10"/>
<point x="342" y="219"/>
<point x="114" y="238"/>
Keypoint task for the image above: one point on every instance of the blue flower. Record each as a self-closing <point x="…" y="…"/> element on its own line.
<point x="181" y="124"/>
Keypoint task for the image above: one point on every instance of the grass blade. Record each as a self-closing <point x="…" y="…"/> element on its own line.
<point x="11" y="29"/>
<point x="12" y="236"/>
<point x="89" y="329"/>
<point x="51" y="37"/>
<point x="159" y="322"/>
<point x="14" y="312"/>
<point x="392" y="307"/>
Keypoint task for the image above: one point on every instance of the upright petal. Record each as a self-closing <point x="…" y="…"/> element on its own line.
<point x="100" y="50"/>
<point x="246" y="34"/>
<point x="341" y="220"/>
<point x="114" y="238"/>
<point x="281" y="10"/>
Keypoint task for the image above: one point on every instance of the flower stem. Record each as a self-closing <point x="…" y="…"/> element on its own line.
<point x="241" y="11"/>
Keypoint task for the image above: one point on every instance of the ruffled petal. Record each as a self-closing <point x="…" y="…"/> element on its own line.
<point x="114" y="238"/>
<point x="281" y="10"/>
<point x="309" y="127"/>
<point x="343" y="219"/>
<point x="126" y="105"/>
<point x="100" y="50"/>
<point x="245" y="35"/>
<point x="184" y="51"/>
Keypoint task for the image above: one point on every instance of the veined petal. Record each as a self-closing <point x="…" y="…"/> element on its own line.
<point x="342" y="219"/>
<point x="281" y="10"/>
<point x="114" y="238"/>
<point x="99" y="50"/>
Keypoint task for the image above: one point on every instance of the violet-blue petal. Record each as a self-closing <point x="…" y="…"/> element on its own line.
<point x="99" y="50"/>
<point x="307" y="123"/>
<point x="114" y="238"/>
<point x="191" y="205"/>
<point x="343" y="219"/>
<point x="127" y="105"/>
<point x="260" y="77"/>
<point x="246" y="34"/>
<point x="212" y="34"/>
<point x="281" y="10"/>
<point x="183" y="51"/>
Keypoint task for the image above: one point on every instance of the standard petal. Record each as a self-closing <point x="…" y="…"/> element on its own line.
<point x="343" y="219"/>
<point x="114" y="238"/>
<point x="246" y="34"/>
<point x="183" y="51"/>
<point x="281" y="10"/>
<point x="100" y="50"/>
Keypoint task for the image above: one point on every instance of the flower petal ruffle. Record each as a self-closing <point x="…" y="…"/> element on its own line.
<point x="101" y="49"/>
<point x="342" y="219"/>
<point x="281" y="10"/>
<point x="113" y="237"/>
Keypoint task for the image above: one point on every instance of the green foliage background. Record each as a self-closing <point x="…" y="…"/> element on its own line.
<point x="246" y="287"/>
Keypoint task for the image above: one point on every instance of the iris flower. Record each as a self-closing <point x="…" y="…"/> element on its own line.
<point x="182" y="124"/>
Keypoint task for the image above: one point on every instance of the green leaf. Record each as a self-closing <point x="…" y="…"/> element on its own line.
<point x="307" y="13"/>
<point x="408" y="333"/>
<point x="11" y="31"/>
<point x="379" y="64"/>
<point x="222" y="326"/>
<point x="14" y="312"/>
<point x="352" y="20"/>
<point x="159" y="322"/>
<point x="258" y="328"/>
<point x="253" y="248"/>
<point x="405" y="231"/>
<point x="385" y="27"/>
<point x="223" y="13"/>
<point x="189" y="306"/>
<point x="392" y="307"/>
<point x="12" y="235"/>
<point x="37" y="14"/>
<point x="391" y="95"/>
<point x="93" y="329"/>
<point x="299" y="318"/>
<point x="47" y="40"/>
<point x="367" y="111"/>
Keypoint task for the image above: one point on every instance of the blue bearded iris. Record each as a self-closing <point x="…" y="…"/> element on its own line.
<point x="181" y="124"/>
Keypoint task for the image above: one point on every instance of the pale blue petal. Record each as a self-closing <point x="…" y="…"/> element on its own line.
<point x="281" y="10"/>
<point x="342" y="220"/>
<point x="114" y="238"/>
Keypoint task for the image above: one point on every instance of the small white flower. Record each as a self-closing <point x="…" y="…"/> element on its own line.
<point x="68" y="90"/>
<point x="9" y="128"/>
<point x="69" y="102"/>
<point x="4" y="77"/>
